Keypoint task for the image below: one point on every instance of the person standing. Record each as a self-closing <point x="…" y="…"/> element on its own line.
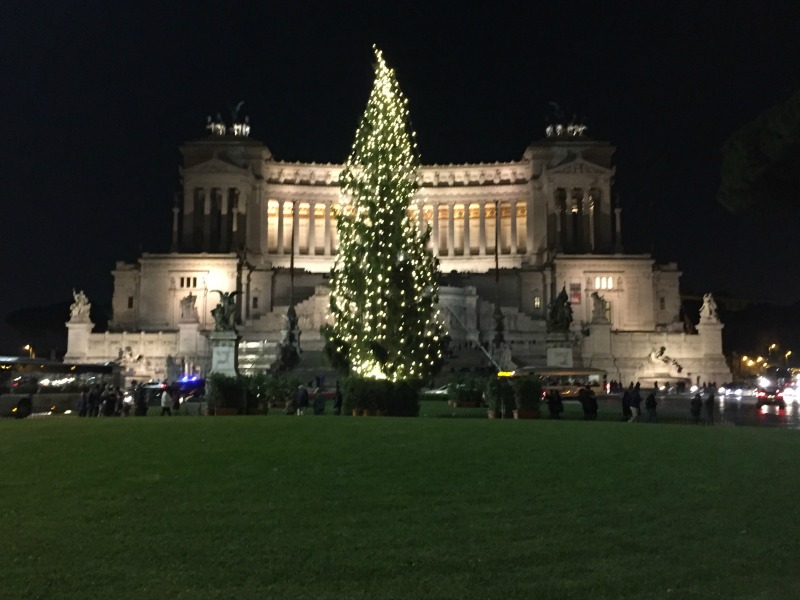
<point x="166" y="402"/>
<point x="626" y="403"/>
<point x="709" y="406"/>
<point x="650" y="404"/>
<point x="337" y="402"/>
<point x="301" y="400"/>
<point x="636" y="402"/>
<point x="694" y="407"/>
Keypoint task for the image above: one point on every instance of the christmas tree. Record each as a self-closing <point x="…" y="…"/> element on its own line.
<point x="384" y="289"/>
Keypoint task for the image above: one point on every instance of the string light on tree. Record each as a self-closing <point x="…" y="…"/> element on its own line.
<point x="384" y="290"/>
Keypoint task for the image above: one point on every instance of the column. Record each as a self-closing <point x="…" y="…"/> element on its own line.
<point x="436" y="229"/>
<point x="586" y="221"/>
<point x="312" y="237"/>
<point x="618" y="229"/>
<point x="235" y="227"/>
<point x="188" y="218"/>
<point x="482" y="229"/>
<point x="224" y="225"/>
<point x="263" y="211"/>
<point x="175" y="213"/>
<point x="467" y="250"/>
<point x="206" y="219"/>
<point x="421" y="215"/>
<point x="591" y="222"/>
<point x="529" y="221"/>
<point x="451" y="229"/>
<point x="279" y="247"/>
<point x="327" y="243"/>
<point x="513" y="208"/>
<point x="557" y="212"/>
<point x="296" y="228"/>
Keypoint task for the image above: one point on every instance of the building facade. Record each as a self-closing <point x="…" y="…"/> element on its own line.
<point x="508" y="235"/>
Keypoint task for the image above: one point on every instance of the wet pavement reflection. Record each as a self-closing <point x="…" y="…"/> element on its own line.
<point x="727" y="411"/>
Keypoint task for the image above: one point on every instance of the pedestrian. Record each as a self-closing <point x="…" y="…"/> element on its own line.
<point x="709" y="406"/>
<point x="694" y="407"/>
<point x="166" y="402"/>
<point x="301" y="400"/>
<point x="626" y="403"/>
<point x="592" y="401"/>
<point x="554" y="404"/>
<point x="583" y="398"/>
<point x="636" y="402"/>
<point x="318" y="403"/>
<point x="650" y="404"/>
<point x="83" y="403"/>
<point x="337" y="401"/>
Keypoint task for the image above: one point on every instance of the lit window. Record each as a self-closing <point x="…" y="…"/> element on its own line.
<point x="537" y="302"/>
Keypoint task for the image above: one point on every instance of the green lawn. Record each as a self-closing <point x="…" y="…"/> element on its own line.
<point x="372" y="508"/>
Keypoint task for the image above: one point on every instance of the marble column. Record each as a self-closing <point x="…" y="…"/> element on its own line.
<point x="296" y="228"/>
<point x="279" y="247"/>
<point x="176" y="211"/>
<point x="618" y="229"/>
<point x="224" y="225"/>
<point x="206" y="220"/>
<point x="263" y="211"/>
<point x="590" y="200"/>
<point x="327" y="243"/>
<point x="467" y="250"/>
<point x="557" y="213"/>
<point x="436" y="229"/>
<point x="188" y="218"/>
<point x="513" y="209"/>
<point x="482" y="229"/>
<point x="312" y="234"/>
<point x="451" y="229"/>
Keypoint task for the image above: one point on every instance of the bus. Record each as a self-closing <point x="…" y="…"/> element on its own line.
<point x="567" y="381"/>
<point x="35" y="386"/>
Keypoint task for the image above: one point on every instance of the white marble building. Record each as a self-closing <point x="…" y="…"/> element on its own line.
<point x="547" y="221"/>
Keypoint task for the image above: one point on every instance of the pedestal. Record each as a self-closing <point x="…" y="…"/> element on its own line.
<point x="224" y="356"/>
<point x="78" y="333"/>
<point x="559" y="349"/>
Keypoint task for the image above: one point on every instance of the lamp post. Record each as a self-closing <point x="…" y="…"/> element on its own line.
<point x="29" y="348"/>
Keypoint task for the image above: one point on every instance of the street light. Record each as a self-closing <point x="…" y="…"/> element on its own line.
<point x="29" y="348"/>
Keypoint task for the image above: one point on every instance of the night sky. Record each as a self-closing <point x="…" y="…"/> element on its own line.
<point x="98" y="96"/>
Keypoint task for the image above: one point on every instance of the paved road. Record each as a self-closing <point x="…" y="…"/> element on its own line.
<point x="742" y="411"/>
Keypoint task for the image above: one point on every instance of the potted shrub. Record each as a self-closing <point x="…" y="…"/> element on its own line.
<point x="499" y="397"/>
<point x="224" y="394"/>
<point x="527" y="396"/>
<point x="467" y="393"/>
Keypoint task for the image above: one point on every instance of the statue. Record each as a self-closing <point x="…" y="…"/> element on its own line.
<point x="79" y="309"/>
<point x="598" y="309"/>
<point x="225" y="312"/>
<point x="188" y="308"/>
<point x="559" y="314"/>
<point x="708" y="312"/>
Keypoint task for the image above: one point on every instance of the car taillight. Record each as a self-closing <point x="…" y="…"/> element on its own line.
<point x="762" y="394"/>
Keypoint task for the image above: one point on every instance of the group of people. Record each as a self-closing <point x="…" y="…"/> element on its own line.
<point x="632" y="404"/>
<point x="697" y="405"/>
<point x="106" y="403"/>
<point x="316" y="400"/>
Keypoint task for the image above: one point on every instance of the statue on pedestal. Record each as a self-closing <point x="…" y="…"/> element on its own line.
<point x="598" y="309"/>
<point x="708" y="312"/>
<point x="225" y="312"/>
<point x="559" y="315"/>
<point x="188" y="309"/>
<point x="79" y="309"/>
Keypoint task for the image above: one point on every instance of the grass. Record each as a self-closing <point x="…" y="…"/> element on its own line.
<point x="263" y="507"/>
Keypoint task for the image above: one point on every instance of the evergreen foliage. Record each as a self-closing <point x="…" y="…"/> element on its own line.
<point x="384" y="288"/>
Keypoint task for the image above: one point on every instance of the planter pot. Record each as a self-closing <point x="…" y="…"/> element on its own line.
<point x="357" y="412"/>
<point x="526" y="413"/>
<point x="491" y="414"/>
<point x="369" y="412"/>
<point x="452" y="403"/>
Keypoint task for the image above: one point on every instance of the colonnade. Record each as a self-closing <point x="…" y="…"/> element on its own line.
<point x="213" y="218"/>
<point x="458" y="228"/>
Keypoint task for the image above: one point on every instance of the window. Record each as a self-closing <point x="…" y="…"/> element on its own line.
<point x="603" y="283"/>
<point x="130" y="302"/>
<point x="188" y="282"/>
<point x="537" y="302"/>
<point x="255" y="302"/>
